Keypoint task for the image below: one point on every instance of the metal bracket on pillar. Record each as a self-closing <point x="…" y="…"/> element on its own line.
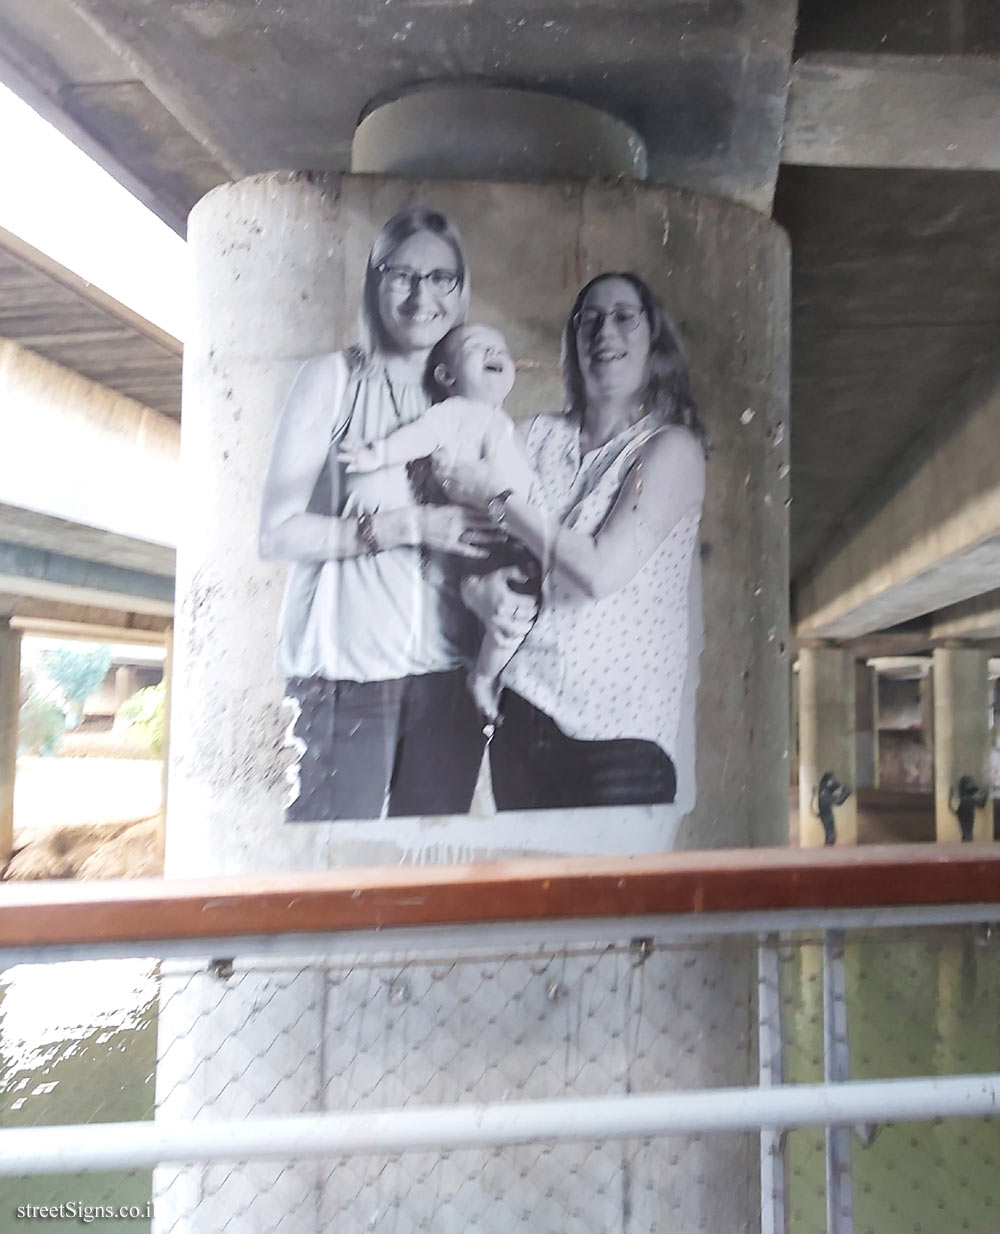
<point x="836" y="1070"/>
<point x="773" y="1187"/>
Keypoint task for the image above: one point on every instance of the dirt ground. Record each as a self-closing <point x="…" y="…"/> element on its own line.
<point x="86" y="818"/>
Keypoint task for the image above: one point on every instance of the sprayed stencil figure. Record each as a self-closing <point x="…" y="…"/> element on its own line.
<point x="964" y="801"/>
<point x="830" y="794"/>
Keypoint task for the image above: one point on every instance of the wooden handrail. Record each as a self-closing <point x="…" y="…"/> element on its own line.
<point x="732" y="880"/>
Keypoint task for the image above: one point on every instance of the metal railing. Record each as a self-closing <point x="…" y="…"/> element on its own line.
<point x="444" y="1041"/>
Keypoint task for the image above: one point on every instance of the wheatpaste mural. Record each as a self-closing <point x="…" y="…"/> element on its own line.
<point x="478" y="608"/>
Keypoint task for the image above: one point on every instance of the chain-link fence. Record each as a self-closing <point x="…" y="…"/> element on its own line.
<point x="242" y="1039"/>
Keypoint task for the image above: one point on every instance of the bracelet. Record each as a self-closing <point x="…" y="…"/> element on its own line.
<point x="366" y="534"/>
<point x="496" y="507"/>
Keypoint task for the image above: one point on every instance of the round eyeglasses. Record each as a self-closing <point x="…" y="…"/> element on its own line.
<point x="403" y="281"/>
<point x="625" y="317"/>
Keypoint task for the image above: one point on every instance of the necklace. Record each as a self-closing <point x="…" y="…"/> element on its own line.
<point x="392" y="395"/>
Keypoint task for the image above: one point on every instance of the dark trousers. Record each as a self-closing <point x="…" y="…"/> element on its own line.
<point x="413" y="745"/>
<point x="535" y="766"/>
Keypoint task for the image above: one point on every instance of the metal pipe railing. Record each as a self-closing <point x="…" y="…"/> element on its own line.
<point x="45" y="1150"/>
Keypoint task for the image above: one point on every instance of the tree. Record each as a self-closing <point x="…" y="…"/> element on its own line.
<point x="77" y="674"/>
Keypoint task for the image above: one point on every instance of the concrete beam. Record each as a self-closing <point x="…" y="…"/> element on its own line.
<point x="62" y="620"/>
<point x="59" y="535"/>
<point x="930" y="112"/>
<point x="75" y="452"/>
<point x="906" y="646"/>
<point x="55" y="576"/>
<point x="977" y="619"/>
<point x="934" y="542"/>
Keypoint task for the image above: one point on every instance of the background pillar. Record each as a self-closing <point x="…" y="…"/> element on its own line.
<point x="10" y="694"/>
<point x="927" y="706"/>
<point x="962" y="735"/>
<point x="866" y="724"/>
<point x="826" y="738"/>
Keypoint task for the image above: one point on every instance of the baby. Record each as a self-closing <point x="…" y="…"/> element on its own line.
<point x="469" y="374"/>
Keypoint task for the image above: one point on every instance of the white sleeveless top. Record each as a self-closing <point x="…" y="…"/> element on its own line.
<point x="388" y="615"/>
<point x="615" y="666"/>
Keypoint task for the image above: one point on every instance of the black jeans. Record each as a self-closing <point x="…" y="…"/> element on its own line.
<point x="413" y="745"/>
<point x="535" y="766"/>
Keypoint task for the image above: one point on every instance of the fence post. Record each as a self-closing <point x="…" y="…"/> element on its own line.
<point x="836" y="1070"/>
<point x="770" y="1040"/>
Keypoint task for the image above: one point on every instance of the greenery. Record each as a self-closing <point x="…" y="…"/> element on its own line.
<point x="142" y="717"/>
<point x="40" y="724"/>
<point x="77" y="673"/>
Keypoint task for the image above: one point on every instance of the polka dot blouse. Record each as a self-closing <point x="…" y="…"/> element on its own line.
<point x="613" y="666"/>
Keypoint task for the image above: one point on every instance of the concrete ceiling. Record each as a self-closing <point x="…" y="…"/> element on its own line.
<point x="895" y="296"/>
<point x="48" y="309"/>
<point x="189" y="93"/>
<point x="896" y="306"/>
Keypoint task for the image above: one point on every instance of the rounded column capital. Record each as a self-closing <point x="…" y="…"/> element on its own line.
<point x="477" y="132"/>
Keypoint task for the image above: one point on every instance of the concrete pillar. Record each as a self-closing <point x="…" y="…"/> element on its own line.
<point x="793" y="732"/>
<point x="866" y="724"/>
<point x="826" y="739"/>
<point x="927" y="706"/>
<point x="10" y="694"/>
<point x="962" y="736"/>
<point x="278" y="261"/>
<point x="125" y="684"/>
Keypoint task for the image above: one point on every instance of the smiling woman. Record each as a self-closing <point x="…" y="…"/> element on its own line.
<point x="372" y="637"/>
<point x="599" y="701"/>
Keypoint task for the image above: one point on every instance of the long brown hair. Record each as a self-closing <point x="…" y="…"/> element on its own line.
<point x="667" y="393"/>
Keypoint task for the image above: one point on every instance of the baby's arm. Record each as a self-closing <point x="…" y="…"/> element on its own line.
<point x="412" y="441"/>
<point x="508" y="459"/>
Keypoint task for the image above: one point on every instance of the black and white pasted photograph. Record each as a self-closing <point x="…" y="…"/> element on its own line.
<point x="481" y="613"/>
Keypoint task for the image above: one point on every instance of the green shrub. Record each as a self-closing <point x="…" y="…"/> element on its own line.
<point x="142" y="717"/>
<point x="40" y="724"/>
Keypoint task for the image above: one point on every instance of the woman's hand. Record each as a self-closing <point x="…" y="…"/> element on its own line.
<point x="490" y="598"/>
<point x="466" y="483"/>
<point x="359" y="460"/>
<point x="453" y="529"/>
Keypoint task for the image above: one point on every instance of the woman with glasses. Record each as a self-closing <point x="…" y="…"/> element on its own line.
<point x="372" y="637"/>
<point x="597" y="696"/>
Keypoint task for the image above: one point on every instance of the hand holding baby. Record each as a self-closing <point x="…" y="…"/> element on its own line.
<point x="466" y="482"/>
<point x="359" y="459"/>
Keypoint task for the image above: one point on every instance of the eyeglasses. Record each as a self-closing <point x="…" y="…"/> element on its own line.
<point x="403" y="281"/>
<point x="625" y="317"/>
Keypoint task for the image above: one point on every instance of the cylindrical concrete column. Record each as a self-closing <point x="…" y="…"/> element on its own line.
<point x="866" y="724"/>
<point x="10" y="692"/>
<point x="279" y="261"/>
<point x="962" y="739"/>
<point x="826" y="740"/>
